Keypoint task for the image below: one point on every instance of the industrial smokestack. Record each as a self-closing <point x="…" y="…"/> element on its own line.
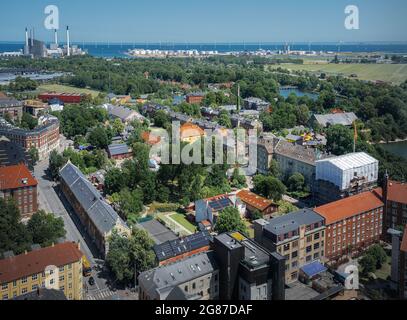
<point x="68" y="50"/>
<point x="26" y="37"/>
<point x="56" y="37"/>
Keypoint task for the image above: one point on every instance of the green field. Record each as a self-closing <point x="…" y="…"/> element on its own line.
<point x="182" y="220"/>
<point x="395" y="73"/>
<point x="62" y="88"/>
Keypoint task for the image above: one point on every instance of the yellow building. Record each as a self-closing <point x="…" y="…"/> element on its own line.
<point x="56" y="267"/>
<point x="190" y="132"/>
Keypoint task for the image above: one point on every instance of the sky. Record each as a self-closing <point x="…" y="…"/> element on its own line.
<point x="209" y="21"/>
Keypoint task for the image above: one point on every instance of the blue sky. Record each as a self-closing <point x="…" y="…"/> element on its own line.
<point x="208" y="20"/>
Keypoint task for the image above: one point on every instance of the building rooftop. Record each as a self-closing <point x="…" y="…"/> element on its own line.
<point x="121" y="112"/>
<point x="118" y="149"/>
<point x="297" y="152"/>
<point x="34" y="262"/>
<point x="292" y="221"/>
<point x="102" y="214"/>
<point x="43" y="294"/>
<point x="13" y="154"/>
<point x="188" y="130"/>
<point x="162" y="279"/>
<point x="351" y="160"/>
<point x="157" y="231"/>
<point x="6" y="102"/>
<point x="397" y="191"/>
<point x="348" y="207"/>
<point x="177" y="247"/>
<point x="17" y="176"/>
<point x="254" y="200"/>
<point x="345" y="119"/>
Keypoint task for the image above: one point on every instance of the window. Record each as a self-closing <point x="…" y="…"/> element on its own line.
<point x="14" y="283"/>
<point x="4" y="286"/>
<point x="309" y="248"/>
<point x="24" y="280"/>
<point x="61" y="269"/>
<point x="316" y="236"/>
<point x="309" y="238"/>
<point x="294" y="264"/>
<point x="308" y="258"/>
<point x="23" y="290"/>
<point x="287" y="247"/>
<point x="5" y="296"/>
<point x="34" y="287"/>
<point x="294" y="254"/>
<point x="186" y="288"/>
<point x="61" y="278"/>
<point x="194" y="286"/>
<point x="295" y="244"/>
<point x="35" y="277"/>
<point x="316" y="246"/>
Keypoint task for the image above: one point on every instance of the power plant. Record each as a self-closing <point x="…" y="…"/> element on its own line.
<point x="38" y="49"/>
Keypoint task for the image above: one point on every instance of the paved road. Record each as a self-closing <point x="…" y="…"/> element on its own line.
<point x="51" y="200"/>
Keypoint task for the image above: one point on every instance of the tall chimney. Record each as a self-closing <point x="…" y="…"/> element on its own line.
<point x="56" y="37"/>
<point x="68" y="50"/>
<point x="32" y="39"/>
<point x="26" y="37"/>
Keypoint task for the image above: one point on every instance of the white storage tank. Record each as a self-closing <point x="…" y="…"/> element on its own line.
<point x="343" y="169"/>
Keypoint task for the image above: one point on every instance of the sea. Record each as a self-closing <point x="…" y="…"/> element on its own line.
<point x="107" y="50"/>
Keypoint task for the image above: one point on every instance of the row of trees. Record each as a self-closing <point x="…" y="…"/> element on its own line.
<point x="43" y="229"/>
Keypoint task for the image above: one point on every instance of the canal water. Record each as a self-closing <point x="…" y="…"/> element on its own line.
<point x="398" y="148"/>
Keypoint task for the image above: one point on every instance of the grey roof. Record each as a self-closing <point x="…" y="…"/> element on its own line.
<point x="8" y="129"/>
<point x="10" y="102"/>
<point x="12" y="154"/>
<point x="121" y="112"/>
<point x="102" y="214"/>
<point x="117" y="149"/>
<point x="157" y="231"/>
<point x="345" y="119"/>
<point x="163" y="279"/>
<point x="298" y="152"/>
<point x="292" y="221"/>
<point x="43" y="294"/>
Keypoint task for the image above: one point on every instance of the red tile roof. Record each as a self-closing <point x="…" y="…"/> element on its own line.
<point x="254" y="200"/>
<point x="397" y="191"/>
<point x="17" y="176"/>
<point x="36" y="261"/>
<point x="349" y="207"/>
<point x="189" y="130"/>
<point x="403" y="246"/>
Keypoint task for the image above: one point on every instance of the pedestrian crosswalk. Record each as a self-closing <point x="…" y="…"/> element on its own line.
<point x="105" y="294"/>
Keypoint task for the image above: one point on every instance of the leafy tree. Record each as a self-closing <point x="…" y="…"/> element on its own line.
<point x="114" y="181"/>
<point x="28" y="121"/>
<point x="274" y="169"/>
<point x="339" y="140"/>
<point x="45" y="228"/>
<point x="117" y="126"/>
<point x="378" y="253"/>
<point x="296" y="182"/>
<point x="368" y="264"/>
<point x="238" y="180"/>
<point x="130" y="202"/>
<point x="128" y="256"/>
<point x="56" y="162"/>
<point x="256" y="215"/>
<point x="229" y="220"/>
<point x="33" y="152"/>
<point x="269" y="187"/>
<point x="98" y="138"/>
<point x="286" y="207"/>
<point x="161" y="119"/>
<point x="13" y="233"/>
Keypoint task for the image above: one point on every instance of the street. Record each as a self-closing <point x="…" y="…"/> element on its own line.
<point x="51" y="200"/>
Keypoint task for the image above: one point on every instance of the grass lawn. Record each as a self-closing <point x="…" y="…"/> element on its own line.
<point x="182" y="220"/>
<point x="250" y="229"/>
<point x="63" y="88"/>
<point x="385" y="270"/>
<point x="396" y="73"/>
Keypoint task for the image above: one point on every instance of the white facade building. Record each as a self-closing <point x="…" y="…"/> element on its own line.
<point x="342" y="171"/>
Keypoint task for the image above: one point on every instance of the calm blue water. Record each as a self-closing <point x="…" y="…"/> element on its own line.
<point x="286" y="92"/>
<point x="118" y="50"/>
<point x="399" y="148"/>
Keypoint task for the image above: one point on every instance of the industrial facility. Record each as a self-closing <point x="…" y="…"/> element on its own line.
<point x="38" y="49"/>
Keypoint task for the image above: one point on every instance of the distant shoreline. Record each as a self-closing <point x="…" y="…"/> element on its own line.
<point x="394" y="141"/>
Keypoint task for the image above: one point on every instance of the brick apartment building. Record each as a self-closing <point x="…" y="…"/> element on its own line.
<point x="195" y="98"/>
<point x="352" y="223"/>
<point x="298" y="236"/>
<point x="58" y="267"/>
<point x="44" y="138"/>
<point x="255" y="203"/>
<point x="395" y="199"/>
<point x="18" y="183"/>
